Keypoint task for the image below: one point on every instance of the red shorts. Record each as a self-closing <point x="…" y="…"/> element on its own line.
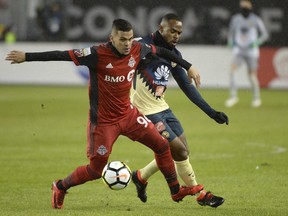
<point x="135" y="126"/>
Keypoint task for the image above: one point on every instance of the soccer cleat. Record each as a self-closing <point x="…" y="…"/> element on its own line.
<point x="140" y="187"/>
<point x="256" y="103"/>
<point x="186" y="190"/>
<point x="57" y="196"/>
<point x="210" y="200"/>
<point x="231" y="102"/>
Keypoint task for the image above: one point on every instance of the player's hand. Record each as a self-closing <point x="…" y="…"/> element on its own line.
<point x="194" y="75"/>
<point x="15" y="57"/>
<point x="221" y="118"/>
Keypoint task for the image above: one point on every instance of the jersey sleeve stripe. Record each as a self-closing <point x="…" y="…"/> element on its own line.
<point x="71" y="54"/>
<point x="153" y="49"/>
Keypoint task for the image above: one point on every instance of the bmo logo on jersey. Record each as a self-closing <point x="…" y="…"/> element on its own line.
<point x="117" y="79"/>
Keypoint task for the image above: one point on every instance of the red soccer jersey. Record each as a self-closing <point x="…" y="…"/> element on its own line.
<point x="111" y="77"/>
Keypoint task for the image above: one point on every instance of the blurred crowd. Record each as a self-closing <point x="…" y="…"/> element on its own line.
<point x="85" y="21"/>
<point x="47" y="23"/>
<point x="50" y="20"/>
<point x="6" y="25"/>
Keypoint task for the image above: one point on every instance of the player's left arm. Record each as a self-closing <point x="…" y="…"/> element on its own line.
<point x="194" y="96"/>
<point x="263" y="33"/>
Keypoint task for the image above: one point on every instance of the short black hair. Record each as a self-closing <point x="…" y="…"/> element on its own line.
<point x="170" y="16"/>
<point x="121" y="25"/>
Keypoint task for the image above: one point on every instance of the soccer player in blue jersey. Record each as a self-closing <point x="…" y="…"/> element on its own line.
<point x="148" y="96"/>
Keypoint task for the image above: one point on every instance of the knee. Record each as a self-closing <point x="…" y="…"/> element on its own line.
<point x="178" y="150"/>
<point x="180" y="154"/>
<point x="162" y="148"/>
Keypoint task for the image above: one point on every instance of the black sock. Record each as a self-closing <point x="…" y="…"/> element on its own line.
<point x="60" y="185"/>
<point x="174" y="189"/>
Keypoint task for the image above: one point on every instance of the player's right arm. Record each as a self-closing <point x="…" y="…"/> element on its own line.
<point x="17" y="57"/>
<point x="86" y="56"/>
<point x="231" y="32"/>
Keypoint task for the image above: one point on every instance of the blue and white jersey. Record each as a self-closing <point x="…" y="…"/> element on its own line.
<point x="151" y="82"/>
<point x="152" y="77"/>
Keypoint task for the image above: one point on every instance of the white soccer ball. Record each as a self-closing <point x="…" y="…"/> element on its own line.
<point x="116" y="175"/>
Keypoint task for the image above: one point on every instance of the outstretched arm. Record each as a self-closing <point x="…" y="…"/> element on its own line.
<point x="17" y="57"/>
<point x="194" y="96"/>
<point x="193" y="74"/>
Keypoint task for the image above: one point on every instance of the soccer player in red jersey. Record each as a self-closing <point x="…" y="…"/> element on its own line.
<point x="112" y="66"/>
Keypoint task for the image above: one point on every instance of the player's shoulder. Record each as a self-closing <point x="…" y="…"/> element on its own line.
<point x="85" y="52"/>
<point x="236" y="16"/>
<point x="145" y="42"/>
<point x="148" y="39"/>
<point x="255" y="16"/>
<point x="136" y="43"/>
<point x="102" y="45"/>
<point x="102" y="49"/>
<point x="141" y="45"/>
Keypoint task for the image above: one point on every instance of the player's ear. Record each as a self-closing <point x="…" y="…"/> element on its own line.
<point x="160" y="28"/>
<point x="111" y="38"/>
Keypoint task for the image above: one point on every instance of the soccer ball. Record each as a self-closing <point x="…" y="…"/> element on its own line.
<point x="116" y="175"/>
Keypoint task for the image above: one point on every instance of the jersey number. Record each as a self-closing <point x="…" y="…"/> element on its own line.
<point x="143" y="120"/>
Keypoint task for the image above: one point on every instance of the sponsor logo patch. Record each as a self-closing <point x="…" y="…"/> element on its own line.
<point x="82" y="52"/>
<point x="109" y="65"/>
<point x="160" y="126"/>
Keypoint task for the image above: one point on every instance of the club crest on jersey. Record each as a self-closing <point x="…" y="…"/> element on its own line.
<point x="165" y="134"/>
<point x="82" y="52"/>
<point x="102" y="150"/>
<point x="173" y="64"/>
<point x="131" y="62"/>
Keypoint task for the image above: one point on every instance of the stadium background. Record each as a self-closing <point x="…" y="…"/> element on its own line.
<point x="43" y="128"/>
<point x="75" y="23"/>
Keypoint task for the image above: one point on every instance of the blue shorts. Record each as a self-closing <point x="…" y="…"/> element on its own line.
<point x="167" y="124"/>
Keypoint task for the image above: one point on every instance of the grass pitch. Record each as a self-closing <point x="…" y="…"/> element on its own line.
<point x="42" y="138"/>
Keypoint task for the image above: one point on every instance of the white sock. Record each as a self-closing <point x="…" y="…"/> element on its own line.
<point x="186" y="172"/>
<point x="233" y="86"/>
<point x="149" y="170"/>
